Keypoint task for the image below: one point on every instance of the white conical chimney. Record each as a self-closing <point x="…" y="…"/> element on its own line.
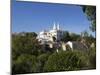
<point x="58" y="27"/>
<point x="54" y="26"/>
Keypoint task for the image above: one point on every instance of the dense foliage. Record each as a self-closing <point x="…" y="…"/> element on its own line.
<point x="24" y="64"/>
<point x="28" y="56"/>
<point x="70" y="37"/>
<point x="90" y="12"/>
<point x="68" y="61"/>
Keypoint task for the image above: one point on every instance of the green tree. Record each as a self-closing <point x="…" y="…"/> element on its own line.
<point x="90" y="12"/>
<point x="92" y="58"/>
<point x="69" y="37"/>
<point x="31" y="34"/>
<point x="88" y="39"/>
<point x="85" y="34"/>
<point x="65" y="37"/>
<point x="42" y="60"/>
<point x="25" y="44"/>
<point x="25" y="47"/>
<point x="66" y="61"/>
<point x="74" y="37"/>
<point x="24" y="64"/>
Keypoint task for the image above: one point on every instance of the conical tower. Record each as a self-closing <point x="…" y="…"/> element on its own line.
<point x="58" y="26"/>
<point x="54" y="26"/>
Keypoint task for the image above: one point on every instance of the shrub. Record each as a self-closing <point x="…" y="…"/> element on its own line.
<point x="65" y="61"/>
<point x="92" y="58"/>
<point x="24" y="64"/>
<point x="41" y="61"/>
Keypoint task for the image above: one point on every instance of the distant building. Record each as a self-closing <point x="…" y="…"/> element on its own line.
<point x="53" y="37"/>
<point x="55" y="34"/>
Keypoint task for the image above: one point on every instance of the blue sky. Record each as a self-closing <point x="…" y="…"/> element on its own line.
<point x="34" y="17"/>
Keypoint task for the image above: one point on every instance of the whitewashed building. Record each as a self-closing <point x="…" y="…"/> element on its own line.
<point x="52" y="35"/>
<point x="53" y="39"/>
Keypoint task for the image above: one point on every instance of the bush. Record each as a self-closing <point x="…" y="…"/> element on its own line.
<point x="24" y="64"/>
<point x="66" y="61"/>
<point x="41" y="61"/>
<point x="25" y="45"/>
<point x="92" y="58"/>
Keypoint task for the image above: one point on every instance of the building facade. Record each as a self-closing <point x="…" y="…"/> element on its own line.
<point x="52" y="35"/>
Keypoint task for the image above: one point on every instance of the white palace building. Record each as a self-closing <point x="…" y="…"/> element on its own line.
<point x="53" y="39"/>
<point x="52" y="35"/>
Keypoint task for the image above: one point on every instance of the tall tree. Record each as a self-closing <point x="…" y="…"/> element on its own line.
<point x="65" y="37"/>
<point x="90" y="12"/>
